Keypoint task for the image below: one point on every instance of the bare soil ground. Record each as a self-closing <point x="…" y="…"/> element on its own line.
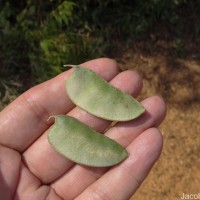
<point x="177" y="80"/>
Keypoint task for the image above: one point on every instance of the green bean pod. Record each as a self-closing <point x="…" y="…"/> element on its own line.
<point x="81" y="144"/>
<point x="96" y="96"/>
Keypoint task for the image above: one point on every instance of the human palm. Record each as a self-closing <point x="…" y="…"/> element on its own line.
<point x="30" y="169"/>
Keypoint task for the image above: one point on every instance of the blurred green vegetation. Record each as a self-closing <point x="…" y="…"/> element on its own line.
<point x="38" y="37"/>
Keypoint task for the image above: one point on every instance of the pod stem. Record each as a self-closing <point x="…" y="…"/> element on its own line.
<point x="50" y="117"/>
<point x="69" y="65"/>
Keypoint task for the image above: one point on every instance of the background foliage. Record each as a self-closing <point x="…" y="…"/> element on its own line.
<point x="38" y="37"/>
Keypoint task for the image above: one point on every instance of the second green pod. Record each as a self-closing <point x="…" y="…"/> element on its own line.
<point x="96" y="96"/>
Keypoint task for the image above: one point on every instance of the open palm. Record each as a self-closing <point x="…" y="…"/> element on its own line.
<point x="31" y="169"/>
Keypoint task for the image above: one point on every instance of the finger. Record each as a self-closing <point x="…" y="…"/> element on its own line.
<point x="124" y="133"/>
<point x="25" y="119"/>
<point x="155" y="112"/>
<point x="55" y="164"/>
<point x="29" y="187"/>
<point x="9" y="172"/>
<point x="122" y="181"/>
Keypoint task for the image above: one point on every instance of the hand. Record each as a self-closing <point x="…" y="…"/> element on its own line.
<point x="31" y="169"/>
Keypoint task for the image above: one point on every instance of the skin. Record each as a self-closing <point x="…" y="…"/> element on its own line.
<point x="31" y="169"/>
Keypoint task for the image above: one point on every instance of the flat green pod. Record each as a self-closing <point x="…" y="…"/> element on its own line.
<point x="81" y="144"/>
<point x="96" y="96"/>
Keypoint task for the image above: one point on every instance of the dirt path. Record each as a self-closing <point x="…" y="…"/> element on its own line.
<point x="178" y="81"/>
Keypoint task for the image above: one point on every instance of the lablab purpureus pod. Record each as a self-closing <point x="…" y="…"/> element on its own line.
<point x="81" y="144"/>
<point x="93" y="94"/>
